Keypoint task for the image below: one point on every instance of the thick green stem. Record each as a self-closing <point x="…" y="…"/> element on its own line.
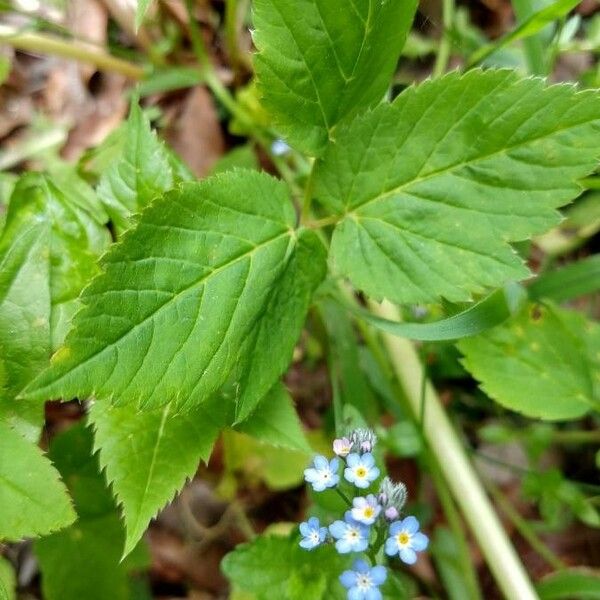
<point x="456" y="467"/>
<point x="443" y="55"/>
<point x="50" y="44"/>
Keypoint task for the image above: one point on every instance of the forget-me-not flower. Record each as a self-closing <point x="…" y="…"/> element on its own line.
<point x="342" y="446"/>
<point x="314" y="534"/>
<point x="323" y="473"/>
<point x="406" y="540"/>
<point x="351" y="535"/>
<point x="363" y="581"/>
<point x="365" y="510"/>
<point x="361" y="470"/>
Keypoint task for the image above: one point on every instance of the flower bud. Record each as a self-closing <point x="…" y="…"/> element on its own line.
<point x="391" y="513"/>
<point x="342" y="447"/>
<point x="363" y="440"/>
<point x="392" y="496"/>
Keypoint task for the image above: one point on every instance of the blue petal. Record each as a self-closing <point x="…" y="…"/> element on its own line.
<point x="322" y="533"/>
<point x="368" y="460"/>
<point x="349" y="518"/>
<point x="318" y="486"/>
<point x="410" y="524"/>
<point x="408" y="556"/>
<point x="321" y="462"/>
<point x="373" y="594"/>
<point x="313" y="523"/>
<point x="419" y="541"/>
<point x="337" y="529"/>
<point x="334" y="464"/>
<point x="373" y="474"/>
<point x="361" y="483"/>
<point x="359" y="502"/>
<point x="348" y="579"/>
<point x="356" y="594"/>
<point x="349" y="475"/>
<point x="361" y="566"/>
<point x="391" y="547"/>
<point x="372" y="500"/>
<point x="343" y="546"/>
<point x="360" y="545"/>
<point x="352" y="459"/>
<point x="396" y="527"/>
<point x="335" y="479"/>
<point x="307" y="543"/>
<point x="304" y="529"/>
<point x="378" y="575"/>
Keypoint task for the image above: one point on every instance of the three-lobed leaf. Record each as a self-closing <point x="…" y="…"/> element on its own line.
<point x="544" y="363"/>
<point x="167" y="319"/>
<point x="33" y="501"/>
<point x="321" y="61"/>
<point x="431" y="189"/>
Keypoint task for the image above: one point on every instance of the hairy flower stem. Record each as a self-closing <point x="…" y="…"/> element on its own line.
<point x="460" y="475"/>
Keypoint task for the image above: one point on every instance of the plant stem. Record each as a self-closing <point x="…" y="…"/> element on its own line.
<point x="534" y="48"/>
<point x="443" y="54"/>
<point x="458" y="471"/>
<point x="524" y="528"/>
<point x="343" y="496"/>
<point x="50" y="44"/>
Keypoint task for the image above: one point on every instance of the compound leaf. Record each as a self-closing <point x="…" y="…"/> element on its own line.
<point x="430" y="189"/>
<point x="33" y="501"/>
<point x="320" y="61"/>
<point x="142" y="172"/>
<point x="148" y="455"/>
<point x="166" y="320"/>
<point x="544" y="363"/>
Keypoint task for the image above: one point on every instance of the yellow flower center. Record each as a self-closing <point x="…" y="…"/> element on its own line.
<point x="403" y="538"/>
<point x="361" y="472"/>
<point x="369" y="512"/>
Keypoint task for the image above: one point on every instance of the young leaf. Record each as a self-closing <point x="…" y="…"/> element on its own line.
<point x="83" y="561"/>
<point x="580" y="583"/>
<point x="276" y="567"/>
<point x="431" y="189"/>
<point x="543" y="363"/>
<point x="166" y="320"/>
<point x="33" y="501"/>
<point x="149" y="455"/>
<point x="320" y="61"/>
<point x="141" y="173"/>
<point x="276" y="422"/>
<point x="271" y="345"/>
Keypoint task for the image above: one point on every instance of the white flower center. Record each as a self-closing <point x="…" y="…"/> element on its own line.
<point x="352" y="534"/>
<point x="314" y="536"/>
<point x="363" y="582"/>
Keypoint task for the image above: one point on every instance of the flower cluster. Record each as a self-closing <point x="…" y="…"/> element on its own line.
<point x="371" y="521"/>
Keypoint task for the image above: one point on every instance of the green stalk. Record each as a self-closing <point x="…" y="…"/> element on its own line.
<point x="458" y="472"/>
<point x="534" y="48"/>
<point x="443" y="54"/>
<point x="50" y="44"/>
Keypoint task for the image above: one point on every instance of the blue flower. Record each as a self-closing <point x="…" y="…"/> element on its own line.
<point x="406" y="540"/>
<point x="351" y="536"/>
<point x="363" y="581"/>
<point x="365" y="510"/>
<point x="314" y="534"/>
<point x="323" y="474"/>
<point x="361" y="470"/>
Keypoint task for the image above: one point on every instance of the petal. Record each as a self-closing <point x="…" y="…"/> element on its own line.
<point x="311" y="475"/>
<point x="391" y="547"/>
<point x="334" y="464"/>
<point x="359" y="502"/>
<point x="318" y="486"/>
<point x="333" y="481"/>
<point x="321" y="462"/>
<point x="322" y="533"/>
<point x="357" y="514"/>
<point x="343" y="547"/>
<point x="419" y="541"/>
<point x="356" y="594"/>
<point x="378" y="575"/>
<point x="373" y="594"/>
<point x="361" y="483"/>
<point x="348" y="517"/>
<point x="337" y="529"/>
<point x="360" y="565"/>
<point x="360" y="545"/>
<point x="349" y="475"/>
<point x="408" y="556"/>
<point x="313" y="523"/>
<point x="367" y="460"/>
<point x="352" y="459"/>
<point x="372" y="500"/>
<point x="304" y="529"/>
<point x="396" y="527"/>
<point x="373" y="474"/>
<point x="348" y="579"/>
<point x="307" y="544"/>
<point x="410" y="524"/>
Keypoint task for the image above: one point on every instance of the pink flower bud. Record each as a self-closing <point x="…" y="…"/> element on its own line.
<point x="342" y="447"/>
<point x="391" y="513"/>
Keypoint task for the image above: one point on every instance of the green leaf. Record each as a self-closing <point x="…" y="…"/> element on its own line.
<point x="580" y="583"/>
<point x="542" y="363"/>
<point x="166" y="321"/>
<point x="48" y="252"/>
<point x="149" y="455"/>
<point x="140" y="12"/>
<point x="33" y="501"/>
<point x="3" y="591"/>
<point x="276" y="567"/>
<point x="8" y="580"/>
<point x="276" y="422"/>
<point x="83" y="561"/>
<point x="430" y="189"/>
<point x="142" y="173"/>
<point x="321" y="61"/>
<point x="270" y="348"/>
